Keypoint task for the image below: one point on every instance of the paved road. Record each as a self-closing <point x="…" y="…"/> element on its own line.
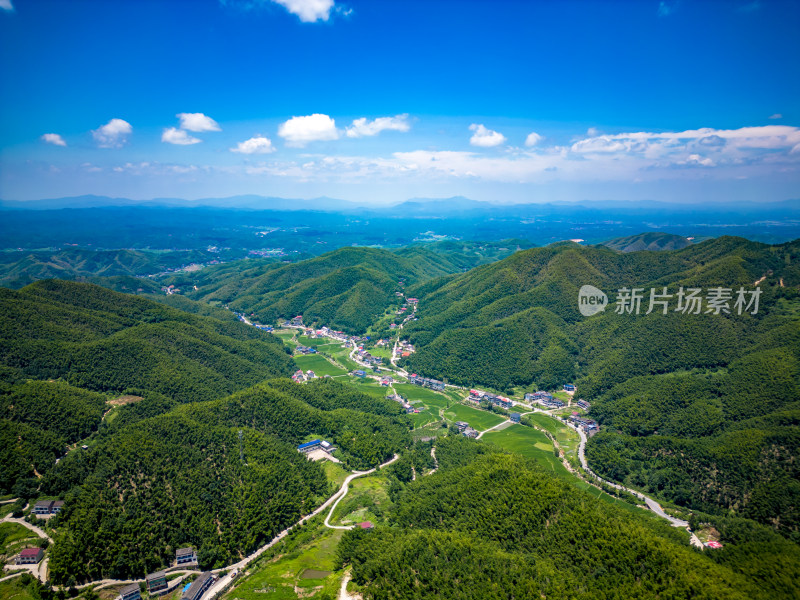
<point x="343" y="492"/>
<point x="239" y="566"/>
<point x="651" y="504"/>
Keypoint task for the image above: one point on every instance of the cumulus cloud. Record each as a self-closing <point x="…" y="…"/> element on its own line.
<point x="363" y="128"/>
<point x="53" y="138"/>
<point x="255" y="145"/>
<point x="776" y="116"/>
<point x="197" y="122"/>
<point x="309" y="11"/>
<point x="298" y="131"/>
<point x="6" y="5"/>
<point x="695" y="160"/>
<point x="173" y="135"/>
<point x="533" y="139"/>
<point x="113" y="134"/>
<point x="485" y="138"/>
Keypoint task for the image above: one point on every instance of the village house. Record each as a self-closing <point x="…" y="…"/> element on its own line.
<point x="199" y="586"/>
<point x="298" y="320"/>
<point x="553" y="403"/>
<point x="43" y="507"/>
<point x="461" y="425"/>
<point x="583" y="404"/>
<point x="360" y="373"/>
<point x="366" y="525"/>
<point x="185" y="556"/>
<point x="156" y="582"/>
<point x="433" y="384"/>
<point x="515" y="417"/>
<point x="470" y="433"/>
<point x="569" y="387"/>
<point x="130" y="592"/>
<point x="310" y="375"/>
<point x="30" y="556"/>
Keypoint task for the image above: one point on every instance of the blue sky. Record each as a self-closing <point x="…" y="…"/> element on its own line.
<point x="378" y="101"/>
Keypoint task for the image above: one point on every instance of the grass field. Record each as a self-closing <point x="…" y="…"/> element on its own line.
<point x="567" y="438"/>
<point x="14" y="537"/>
<point x="477" y="419"/>
<point x="318" y="364"/>
<point x="335" y="473"/>
<point x="428" y="397"/>
<point x="313" y="549"/>
<point x="367" y="500"/>
<point x="14" y="590"/>
<point x="534" y="444"/>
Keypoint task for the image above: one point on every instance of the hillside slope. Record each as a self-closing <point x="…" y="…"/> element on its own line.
<point x="345" y="289"/>
<point x="719" y="389"/>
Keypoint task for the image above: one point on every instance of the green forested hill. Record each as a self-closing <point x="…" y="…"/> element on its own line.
<point x="150" y="485"/>
<point x="105" y="341"/>
<point x="18" y="269"/>
<point x="696" y="408"/>
<point x="347" y="288"/>
<point x="90" y="339"/>
<point x="652" y="240"/>
<point x="493" y="525"/>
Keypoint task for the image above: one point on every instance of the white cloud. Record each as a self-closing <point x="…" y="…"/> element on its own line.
<point x="533" y="139"/>
<point x="6" y="5"/>
<point x="309" y="11"/>
<point x="362" y="127"/>
<point x="485" y="138"/>
<point x="113" y="134"/>
<point x="696" y="160"/>
<point x="255" y="145"/>
<point x="53" y="138"/>
<point x="172" y="135"/>
<point x="298" y="131"/>
<point x="197" y="122"/>
<point x="776" y="116"/>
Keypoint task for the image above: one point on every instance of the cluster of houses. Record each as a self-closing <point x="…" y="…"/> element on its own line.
<point x="305" y="350"/>
<point x="361" y="373"/>
<point x="588" y="425"/>
<point x="301" y="377"/>
<point x="405" y="348"/>
<point x="477" y="396"/>
<point x="465" y="430"/>
<point x="583" y="404"/>
<point x="157" y="584"/>
<point x="433" y="384"/>
<point x="386" y="380"/>
<point x="44" y="508"/>
<point x="404" y="403"/>
<point x="316" y="445"/>
<point x="366" y="357"/>
<point x="544" y="398"/>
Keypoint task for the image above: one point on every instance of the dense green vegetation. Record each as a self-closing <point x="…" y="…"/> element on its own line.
<point x="105" y="341"/>
<point x="699" y="409"/>
<point x="491" y="525"/>
<point x="148" y="486"/>
<point x="18" y="269"/>
<point x="345" y="289"/>
<point x="652" y="240"/>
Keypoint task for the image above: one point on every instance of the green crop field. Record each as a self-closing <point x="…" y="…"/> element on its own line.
<point x="567" y="437"/>
<point x="534" y="444"/>
<point x="414" y="392"/>
<point x="477" y="419"/>
<point x="318" y="364"/>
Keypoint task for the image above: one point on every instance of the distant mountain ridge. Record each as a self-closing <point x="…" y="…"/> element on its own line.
<point x="651" y="240"/>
